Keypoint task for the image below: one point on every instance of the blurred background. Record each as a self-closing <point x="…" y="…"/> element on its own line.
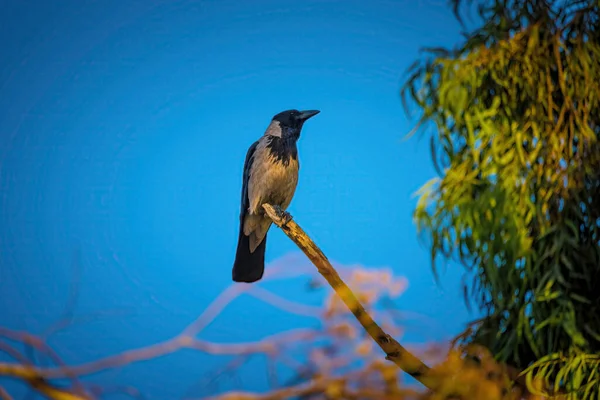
<point x="124" y="126"/>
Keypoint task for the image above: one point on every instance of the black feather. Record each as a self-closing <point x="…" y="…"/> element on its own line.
<point x="245" y="202"/>
<point x="283" y="149"/>
<point x="248" y="267"/>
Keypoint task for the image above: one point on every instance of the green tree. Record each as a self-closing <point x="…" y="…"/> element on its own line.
<point x="514" y="116"/>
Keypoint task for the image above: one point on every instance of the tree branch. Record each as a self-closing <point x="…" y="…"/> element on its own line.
<point x="4" y="394"/>
<point x="394" y="351"/>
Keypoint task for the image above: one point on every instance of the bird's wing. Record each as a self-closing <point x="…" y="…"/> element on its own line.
<point x="246" y="177"/>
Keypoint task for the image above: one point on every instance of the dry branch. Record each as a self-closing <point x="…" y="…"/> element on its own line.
<point x="304" y="389"/>
<point x="4" y="394"/>
<point x="394" y="351"/>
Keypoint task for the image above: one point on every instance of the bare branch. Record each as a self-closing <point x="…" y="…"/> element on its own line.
<point x="4" y="394"/>
<point x="266" y="345"/>
<point x="284" y="304"/>
<point x="394" y="351"/>
<point x="312" y="387"/>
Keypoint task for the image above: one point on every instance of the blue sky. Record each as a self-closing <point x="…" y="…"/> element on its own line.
<point x="124" y="126"/>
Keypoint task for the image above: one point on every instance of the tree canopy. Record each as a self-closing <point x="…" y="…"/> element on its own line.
<point x="514" y="117"/>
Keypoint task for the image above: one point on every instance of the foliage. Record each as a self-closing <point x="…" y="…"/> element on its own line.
<point x="515" y="115"/>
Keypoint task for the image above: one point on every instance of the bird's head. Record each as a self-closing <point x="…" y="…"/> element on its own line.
<point x="288" y="124"/>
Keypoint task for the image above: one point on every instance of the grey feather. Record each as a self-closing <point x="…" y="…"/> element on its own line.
<point x="266" y="175"/>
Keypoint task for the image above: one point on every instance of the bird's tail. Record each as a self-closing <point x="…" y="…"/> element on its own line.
<point x="248" y="267"/>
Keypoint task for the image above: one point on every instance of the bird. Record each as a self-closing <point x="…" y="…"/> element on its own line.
<point x="270" y="175"/>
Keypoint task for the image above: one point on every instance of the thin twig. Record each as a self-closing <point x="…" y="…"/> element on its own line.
<point x="394" y="351"/>
<point x="55" y="393"/>
<point x="266" y="345"/>
<point x="283" y="303"/>
<point x="303" y="389"/>
<point x="4" y="394"/>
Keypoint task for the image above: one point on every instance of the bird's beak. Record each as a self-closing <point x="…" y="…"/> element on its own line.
<point x="304" y="115"/>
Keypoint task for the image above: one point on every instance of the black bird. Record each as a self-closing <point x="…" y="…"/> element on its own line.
<point x="270" y="176"/>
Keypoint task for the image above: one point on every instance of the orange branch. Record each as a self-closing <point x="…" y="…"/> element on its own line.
<point x="394" y="351"/>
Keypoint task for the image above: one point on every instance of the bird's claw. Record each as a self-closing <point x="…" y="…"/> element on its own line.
<point x="284" y="215"/>
<point x="287" y="218"/>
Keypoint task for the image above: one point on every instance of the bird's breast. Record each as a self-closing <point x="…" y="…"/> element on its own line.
<point x="279" y="182"/>
<point x="281" y="176"/>
<point x="271" y="180"/>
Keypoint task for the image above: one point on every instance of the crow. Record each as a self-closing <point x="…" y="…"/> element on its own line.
<point x="270" y="176"/>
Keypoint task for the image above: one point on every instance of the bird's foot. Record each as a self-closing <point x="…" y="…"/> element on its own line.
<point x="284" y="215"/>
<point x="287" y="218"/>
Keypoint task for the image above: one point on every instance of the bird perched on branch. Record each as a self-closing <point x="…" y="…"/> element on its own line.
<point x="270" y="176"/>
